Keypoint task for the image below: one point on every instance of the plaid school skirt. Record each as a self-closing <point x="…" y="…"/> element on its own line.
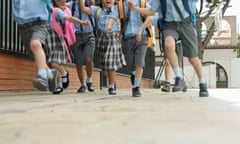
<point x="55" y="48"/>
<point x="110" y="52"/>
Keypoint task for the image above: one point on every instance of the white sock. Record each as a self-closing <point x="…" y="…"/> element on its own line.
<point x="89" y="80"/>
<point x="49" y="74"/>
<point x="42" y="73"/>
<point x="60" y="85"/>
<point x="64" y="73"/>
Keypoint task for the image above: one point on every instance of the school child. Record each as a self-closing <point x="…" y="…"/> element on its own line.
<point x="177" y="24"/>
<point x="62" y="23"/>
<point x="135" y="44"/>
<point x="108" y="44"/>
<point x="32" y="19"/>
<point x="84" y="48"/>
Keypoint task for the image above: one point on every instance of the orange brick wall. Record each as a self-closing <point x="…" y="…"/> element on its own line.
<point x="17" y="73"/>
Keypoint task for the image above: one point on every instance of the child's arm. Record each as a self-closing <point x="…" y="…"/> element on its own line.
<point x="110" y="24"/>
<point x="77" y="21"/>
<point x="146" y="11"/>
<point x="83" y="8"/>
<point x="147" y="22"/>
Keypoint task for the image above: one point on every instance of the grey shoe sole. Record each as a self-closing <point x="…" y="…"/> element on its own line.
<point x="166" y="89"/>
<point x="40" y="85"/>
<point x="136" y="95"/>
<point x="176" y="89"/>
<point x="203" y="94"/>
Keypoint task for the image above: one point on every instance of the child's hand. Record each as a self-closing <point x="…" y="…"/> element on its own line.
<point x="109" y="25"/>
<point x="86" y="23"/>
<point x="108" y="29"/>
<point x="139" y="36"/>
<point x="131" y="4"/>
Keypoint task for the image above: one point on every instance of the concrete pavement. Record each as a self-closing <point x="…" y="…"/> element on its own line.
<point x="96" y="118"/>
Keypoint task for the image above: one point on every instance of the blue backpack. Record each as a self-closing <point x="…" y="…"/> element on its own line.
<point x="187" y="8"/>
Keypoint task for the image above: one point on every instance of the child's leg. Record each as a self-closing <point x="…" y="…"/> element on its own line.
<point x="111" y="77"/>
<point x="44" y="73"/>
<point x="138" y="76"/>
<point x="111" y="82"/>
<point x="137" y="81"/>
<point x="89" y="69"/>
<point x="59" y="87"/>
<point x="39" y="55"/>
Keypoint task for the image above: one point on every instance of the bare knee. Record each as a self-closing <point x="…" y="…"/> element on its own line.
<point x="88" y="60"/>
<point x="35" y="45"/>
<point x="194" y="61"/>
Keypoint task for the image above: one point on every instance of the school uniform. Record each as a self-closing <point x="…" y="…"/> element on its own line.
<point x="33" y="25"/>
<point x="85" y="38"/>
<point x="174" y="26"/>
<point x="55" y="50"/>
<point x="56" y="44"/>
<point x="179" y="26"/>
<point x="108" y="44"/>
<point x="134" y="51"/>
<point x="32" y="21"/>
<point x="32" y="17"/>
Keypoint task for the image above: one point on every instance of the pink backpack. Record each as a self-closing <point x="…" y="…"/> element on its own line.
<point x="68" y="33"/>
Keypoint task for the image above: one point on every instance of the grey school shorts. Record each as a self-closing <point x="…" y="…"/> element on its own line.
<point x="134" y="51"/>
<point x="186" y="33"/>
<point x="84" y="47"/>
<point x="37" y="30"/>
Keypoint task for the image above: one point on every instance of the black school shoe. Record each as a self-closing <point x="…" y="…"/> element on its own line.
<point x="58" y="90"/>
<point x="112" y="91"/>
<point x="203" y="90"/>
<point x="90" y="87"/>
<point x="65" y="83"/>
<point x="82" y="89"/>
<point x="136" y="92"/>
<point x="179" y="85"/>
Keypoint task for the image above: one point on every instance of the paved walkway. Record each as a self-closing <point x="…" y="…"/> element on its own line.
<point x="96" y="118"/>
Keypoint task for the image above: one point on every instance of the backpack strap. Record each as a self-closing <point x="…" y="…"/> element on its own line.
<point x="123" y="20"/>
<point x="163" y="8"/>
<point x="178" y="9"/>
<point x="148" y="29"/>
<point x="142" y="5"/>
<point x="121" y="11"/>
<point x="73" y="7"/>
<point x="191" y="13"/>
<point x="186" y="7"/>
<point x="90" y="18"/>
<point x="56" y="25"/>
<point x="49" y="7"/>
<point x="99" y="11"/>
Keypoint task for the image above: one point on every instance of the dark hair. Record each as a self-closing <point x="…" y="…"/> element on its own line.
<point x="54" y="2"/>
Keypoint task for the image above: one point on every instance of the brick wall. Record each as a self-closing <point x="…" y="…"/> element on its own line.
<point x="17" y="73"/>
